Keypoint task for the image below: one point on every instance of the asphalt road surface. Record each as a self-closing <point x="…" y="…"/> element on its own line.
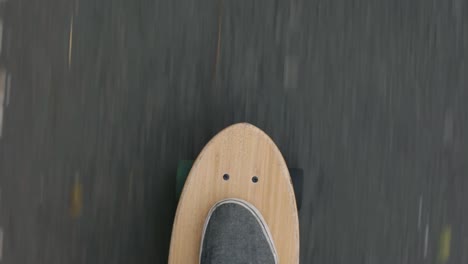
<point x="102" y="98"/>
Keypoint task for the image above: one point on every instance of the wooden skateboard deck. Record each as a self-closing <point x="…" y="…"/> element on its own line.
<point x="257" y="174"/>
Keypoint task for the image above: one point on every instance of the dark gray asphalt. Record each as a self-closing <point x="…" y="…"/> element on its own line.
<point x="369" y="97"/>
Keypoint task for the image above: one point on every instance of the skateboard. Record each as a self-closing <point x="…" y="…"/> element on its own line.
<point x="240" y="162"/>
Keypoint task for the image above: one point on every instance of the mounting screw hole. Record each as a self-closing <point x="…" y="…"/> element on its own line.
<point x="226" y="177"/>
<point x="254" y="179"/>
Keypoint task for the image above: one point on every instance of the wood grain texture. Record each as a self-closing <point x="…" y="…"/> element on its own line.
<point x="242" y="151"/>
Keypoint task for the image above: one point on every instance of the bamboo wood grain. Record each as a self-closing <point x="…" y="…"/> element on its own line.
<point x="242" y="151"/>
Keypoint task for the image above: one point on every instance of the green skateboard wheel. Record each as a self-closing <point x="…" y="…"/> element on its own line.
<point x="183" y="170"/>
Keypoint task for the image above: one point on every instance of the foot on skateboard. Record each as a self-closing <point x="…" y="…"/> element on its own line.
<point x="237" y="201"/>
<point x="235" y="232"/>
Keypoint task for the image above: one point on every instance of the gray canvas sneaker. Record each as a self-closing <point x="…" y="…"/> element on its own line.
<point x="235" y="233"/>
